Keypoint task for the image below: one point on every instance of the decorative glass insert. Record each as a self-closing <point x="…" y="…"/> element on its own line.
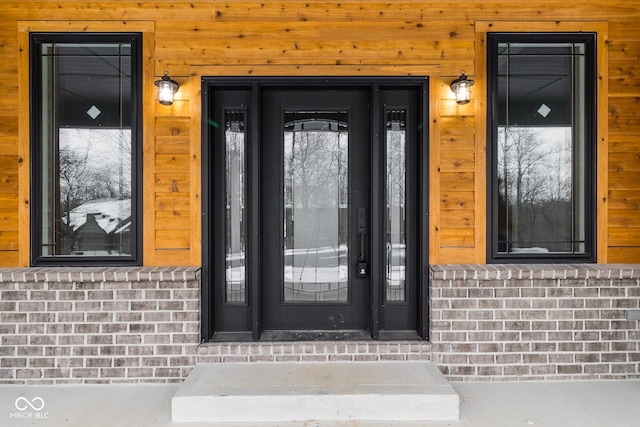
<point x="84" y="148"/>
<point x="395" y="197"/>
<point x="235" y="191"/>
<point x="543" y="147"/>
<point x="316" y="194"/>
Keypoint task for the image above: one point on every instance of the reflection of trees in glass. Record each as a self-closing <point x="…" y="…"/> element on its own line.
<point x="315" y="203"/>
<point x="234" y="183"/>
<point x="535" y="188"/>
<point x="93" y="164"/>
<point x="396" y="167"/>
<point x="396" y="200"/>
<point x="311" y="162"/>
<point x="235" y="200"/>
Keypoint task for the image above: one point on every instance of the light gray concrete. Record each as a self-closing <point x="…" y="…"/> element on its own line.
<point x="286" y="392"/>
<point x="503" y="404"/>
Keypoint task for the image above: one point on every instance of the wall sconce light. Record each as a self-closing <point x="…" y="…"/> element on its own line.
<point x="462" y="88"/>
<point x="166" y="88"/>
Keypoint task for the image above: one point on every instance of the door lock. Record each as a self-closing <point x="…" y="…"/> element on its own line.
<point x="362" y="270"/>
<point x="363" y="267"/>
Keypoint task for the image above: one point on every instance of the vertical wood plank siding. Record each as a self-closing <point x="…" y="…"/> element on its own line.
<point x="435" y="39"/>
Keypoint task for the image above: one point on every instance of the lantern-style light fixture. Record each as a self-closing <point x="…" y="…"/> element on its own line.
<point x="462" y="88"/>
<point x="166" y="88"/>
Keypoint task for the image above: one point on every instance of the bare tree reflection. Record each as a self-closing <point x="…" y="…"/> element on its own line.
<point x="315" y="202"/>
<point x="534" y="189"/>
<point x="94" y="191"/>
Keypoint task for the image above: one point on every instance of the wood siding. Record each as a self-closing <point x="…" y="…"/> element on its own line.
<point x="383" y="38"/>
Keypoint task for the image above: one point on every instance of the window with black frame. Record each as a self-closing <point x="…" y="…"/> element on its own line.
<point x="85" y="148"/>
<point x="541" y="147"/>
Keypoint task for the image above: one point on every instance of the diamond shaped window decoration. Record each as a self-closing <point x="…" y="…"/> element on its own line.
<point x="94" y="112"/>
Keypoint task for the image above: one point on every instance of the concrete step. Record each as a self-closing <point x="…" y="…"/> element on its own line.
<point x="297" y="392"/>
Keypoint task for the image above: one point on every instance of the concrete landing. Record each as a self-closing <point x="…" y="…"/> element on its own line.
<point x="296" y="392"/>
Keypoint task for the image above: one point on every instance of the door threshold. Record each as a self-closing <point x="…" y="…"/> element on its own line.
<point x="315" y="335"/>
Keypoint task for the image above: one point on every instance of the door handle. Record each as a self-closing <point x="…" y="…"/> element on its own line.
<point x="362" y="267"/>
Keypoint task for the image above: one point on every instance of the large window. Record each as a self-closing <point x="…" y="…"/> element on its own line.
<point x="86" y="144"/>
<point x="541" y="147"/>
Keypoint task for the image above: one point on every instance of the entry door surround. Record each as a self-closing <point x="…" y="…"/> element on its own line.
<point x="260" y="234"/>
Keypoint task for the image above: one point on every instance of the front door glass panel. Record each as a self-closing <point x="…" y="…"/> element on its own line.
<point x="316" y="193"/>
<point x="235" y="194"/>
<point x="396" y="170"/>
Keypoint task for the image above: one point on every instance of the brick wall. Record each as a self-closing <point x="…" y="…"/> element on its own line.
<point x="498" y="322"/>
<point x="98" y="325"/>
<point x="488" y="322"/>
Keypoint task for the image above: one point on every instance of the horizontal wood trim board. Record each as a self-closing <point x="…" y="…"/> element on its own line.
<point x="457" y="200"/>
<point x="257" y="11"/>
<point x="173" y="220"/>
<point x="172" y="183"/>
<point x="8" y="258"/>
<point x="627" y="200"/>
<point x="624" y="236"/>
<point x="624" y="180"/>
<point x="624" y="254"/>
<point x="456" y="238"/>
<point x="333" y="70"/>
<point x="173" y="144"/>
<point x="172" y="201"/>
<point x="172" y="239"/>
<point x="624" y="218"/>
<point x="457" y="218"/>
<point x="624" y="143"/>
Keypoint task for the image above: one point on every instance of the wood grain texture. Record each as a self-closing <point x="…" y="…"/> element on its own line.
<point x="326" y="38"/>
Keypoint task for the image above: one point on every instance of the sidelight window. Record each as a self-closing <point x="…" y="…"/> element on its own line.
<point x="235" y="196"/>
<point x="396" y="195"/>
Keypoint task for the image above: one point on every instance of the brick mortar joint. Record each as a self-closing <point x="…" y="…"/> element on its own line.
<point x="99" y="274"/>
<point x="482" y="272"/>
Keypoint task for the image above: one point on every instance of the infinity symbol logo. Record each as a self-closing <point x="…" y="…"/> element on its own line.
<point x="36" y="403"/>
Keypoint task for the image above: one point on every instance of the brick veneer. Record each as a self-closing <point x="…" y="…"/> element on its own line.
<point x="110" y="325"/>
<point x="497" y="322"/>
<point x="488" y="322"/>
<point x="96" y="325"/>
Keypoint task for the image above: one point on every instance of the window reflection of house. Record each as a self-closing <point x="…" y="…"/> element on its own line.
<point x="99" y="227"/>
<point x="90" y="236"/>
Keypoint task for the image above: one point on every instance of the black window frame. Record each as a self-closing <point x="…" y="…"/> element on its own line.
<point x="36" y="137"/>
<point x="590" y="131"/>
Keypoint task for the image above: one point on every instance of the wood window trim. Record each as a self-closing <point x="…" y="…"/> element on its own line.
<point x="601" y="28"/>
<point x="147" y="29"/>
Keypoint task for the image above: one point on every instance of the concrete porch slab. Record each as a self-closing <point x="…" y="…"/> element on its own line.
<point x="334" y="391"/>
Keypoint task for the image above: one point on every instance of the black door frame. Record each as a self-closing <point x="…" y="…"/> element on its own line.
<point x="250" y="313"/>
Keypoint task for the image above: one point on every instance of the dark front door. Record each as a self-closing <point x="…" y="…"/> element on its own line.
<point x="315" y="187"/>
<point x="314" y="209"/>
